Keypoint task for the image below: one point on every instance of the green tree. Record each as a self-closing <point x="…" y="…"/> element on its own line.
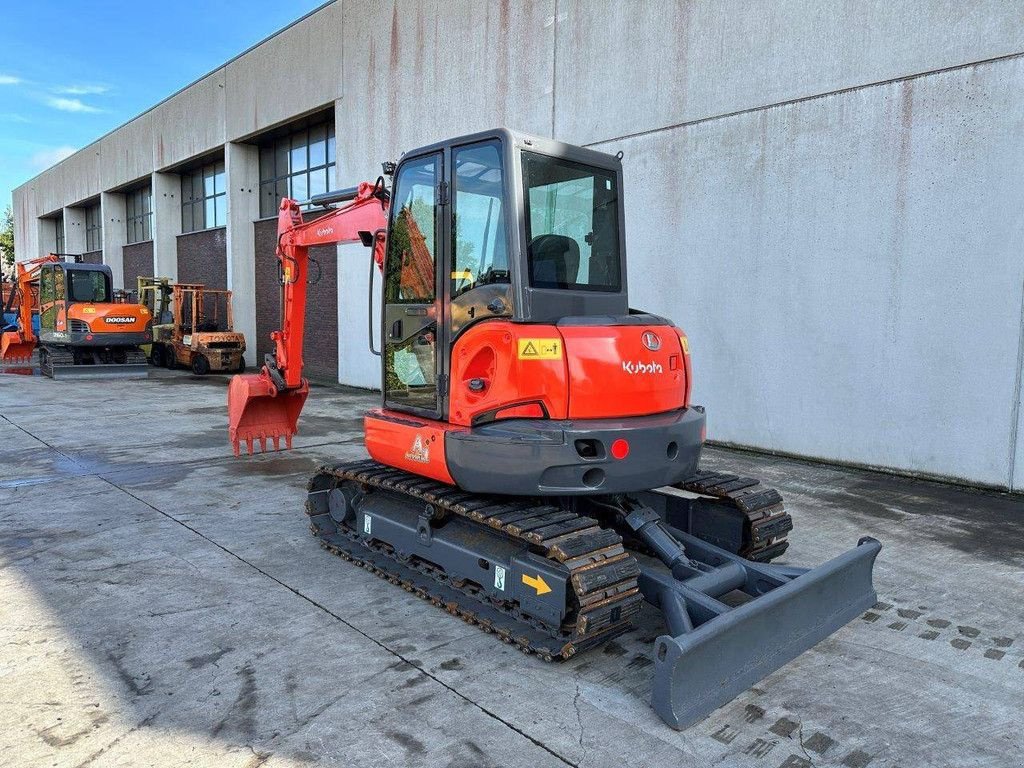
<point x="7" y="238"/>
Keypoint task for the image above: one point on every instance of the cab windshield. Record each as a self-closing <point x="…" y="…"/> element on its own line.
<point x="572" y="224"/>
<point x="88" y="285"/>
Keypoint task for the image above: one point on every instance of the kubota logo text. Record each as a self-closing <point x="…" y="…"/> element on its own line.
<point x="634" y="368"/>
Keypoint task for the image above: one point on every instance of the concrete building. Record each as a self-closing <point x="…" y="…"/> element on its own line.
<point x="829" y="197"/>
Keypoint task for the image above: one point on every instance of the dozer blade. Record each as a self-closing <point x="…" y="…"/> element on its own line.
<point x="258" y="412"/>
<point x="700" y="669"/>
<point x="100" y="371"/>
<point x="14" y="350"/>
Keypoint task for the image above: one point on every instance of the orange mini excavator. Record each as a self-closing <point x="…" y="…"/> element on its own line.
<point x="82" y="330"/>
<point x="534" y="462"/>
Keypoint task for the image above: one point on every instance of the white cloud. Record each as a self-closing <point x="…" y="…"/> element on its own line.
<point x="13" y="117"/>
<point x="9" y="80"/>
<point x="70" y="105"/>
<point x="81" y="90"/>
<point x="46" y="157"/>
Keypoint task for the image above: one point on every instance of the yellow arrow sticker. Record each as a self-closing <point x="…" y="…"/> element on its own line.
<point x="537" y="583"/>
<point x="540" y="349"/>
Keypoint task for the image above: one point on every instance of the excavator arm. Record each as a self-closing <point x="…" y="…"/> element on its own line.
<point x="17" y="345"/>
<point x="266" y="405"/>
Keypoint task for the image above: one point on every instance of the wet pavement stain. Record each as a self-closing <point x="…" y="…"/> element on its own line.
<point x="241" y="716"/>
<point x="274" y="466"/>
<point x="198" y="662"/>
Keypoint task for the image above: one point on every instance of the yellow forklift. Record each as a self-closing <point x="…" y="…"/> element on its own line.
<point x="154" y="293"/>
<point x="193" y="327"/>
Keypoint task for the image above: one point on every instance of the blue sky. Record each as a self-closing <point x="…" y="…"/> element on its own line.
<point x="72" y="71"/>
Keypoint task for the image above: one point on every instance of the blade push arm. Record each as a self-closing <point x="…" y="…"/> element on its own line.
<point x="363" y="219"/>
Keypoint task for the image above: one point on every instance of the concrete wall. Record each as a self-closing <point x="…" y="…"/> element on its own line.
<point x="848" y="267"/>
<point x="826" y="196"/>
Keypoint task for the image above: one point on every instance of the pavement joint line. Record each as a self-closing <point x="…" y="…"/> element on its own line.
<point x="36" y="437"/>
<point x="338" y="617"/>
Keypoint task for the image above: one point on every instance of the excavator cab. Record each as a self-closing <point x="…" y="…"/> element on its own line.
<point x="493" y="227"/>
<point x="505" y="310"/>
<point x="81" y="327"/>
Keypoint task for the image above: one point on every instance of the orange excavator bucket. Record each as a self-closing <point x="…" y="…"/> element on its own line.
<point x="258" y="411"/>
<point x="14" y="349"/>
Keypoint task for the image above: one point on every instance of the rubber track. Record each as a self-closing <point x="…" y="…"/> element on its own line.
<point x="56" y="357"/>
<point x="767" y="520"/>
<point x="605" y="598"/>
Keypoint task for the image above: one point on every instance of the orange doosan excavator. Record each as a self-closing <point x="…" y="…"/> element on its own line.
<point x="534" y="461"/>
<point x="82" y="329"/>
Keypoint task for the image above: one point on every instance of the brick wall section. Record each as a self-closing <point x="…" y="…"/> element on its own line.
<point x="138" y="260"/>
<point x="93" y="257"/>
<point x="202" y="258"/>
<point x="320" y="355"/>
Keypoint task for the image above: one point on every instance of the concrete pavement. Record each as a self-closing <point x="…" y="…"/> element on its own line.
<point x="162" y="603"/>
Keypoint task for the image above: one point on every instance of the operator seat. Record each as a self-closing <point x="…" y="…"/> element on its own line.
<point x="554" y="261"/>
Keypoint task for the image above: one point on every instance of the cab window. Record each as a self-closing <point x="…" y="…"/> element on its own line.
<point x="88" y="285"/>
<point x="46" y="286"/>
<point x="479" y="245"/>
<point x="58" y="284"/>
<point x="409" y="276"/>
<point x="572" y="224"/>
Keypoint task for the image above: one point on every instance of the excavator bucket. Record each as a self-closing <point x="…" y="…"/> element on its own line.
<point x="714" y="652"/>
<point x="258" y="412"/>
<point x="14" y="349"/>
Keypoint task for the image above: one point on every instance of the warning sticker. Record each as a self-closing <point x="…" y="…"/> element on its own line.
<point x="499" y="578"/>
<point x="367" y="525"/>
<point x="537" y="582"/>
<point x="540" y="349"/>
<point x="686" y="344"/>
<point x="420" y="451"/>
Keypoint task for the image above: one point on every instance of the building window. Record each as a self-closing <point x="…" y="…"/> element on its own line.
<point x="58" y="225"/>
<point x="93" y="229"/>
<point x="139" y="215"/>
<point x="204" y="199"/>
<point x="296" y="166"/>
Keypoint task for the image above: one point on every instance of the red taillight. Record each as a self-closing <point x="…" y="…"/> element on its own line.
<point x="88" y="337"/>
<point x="620" y="449"/>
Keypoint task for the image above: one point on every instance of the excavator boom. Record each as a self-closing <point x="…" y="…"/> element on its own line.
<point x="266" y="405"/>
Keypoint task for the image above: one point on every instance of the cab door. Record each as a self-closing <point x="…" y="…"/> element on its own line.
<point x="52" y="304"/>
<point x="413" y="313"/>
